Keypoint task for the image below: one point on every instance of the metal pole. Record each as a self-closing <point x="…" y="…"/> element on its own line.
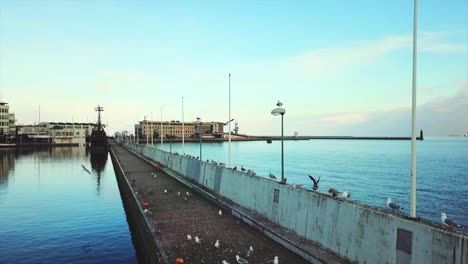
<point x="282" y="149"/>
<point x="152" y="131"/>
<point x="413" y="114"/>
<point x="170" y="140"/>
<point x="229" y="127"/>
<point x="160" y="131"/>
<point x="200" y="135"/>
<point x="183" y="129"/>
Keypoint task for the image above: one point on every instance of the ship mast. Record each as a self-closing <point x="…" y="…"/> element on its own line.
<point x="99" y="109"/>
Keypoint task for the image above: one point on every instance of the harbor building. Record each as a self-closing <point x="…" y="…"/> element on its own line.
<point x="7" y="120"/>
<point x="173" y="129"/>
<point x="56" y="132"/>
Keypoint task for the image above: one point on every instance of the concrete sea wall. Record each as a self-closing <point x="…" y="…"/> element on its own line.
<point x="353" y="231"/>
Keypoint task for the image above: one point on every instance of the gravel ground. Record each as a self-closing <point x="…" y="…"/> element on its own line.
<point x="176" y="216"/>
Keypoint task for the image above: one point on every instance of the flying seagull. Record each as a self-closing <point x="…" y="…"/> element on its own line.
<point x="333" y="192"/>
<point x="272" y="176"/>
<point x="392" y="205"/>
<point x="448" y="222"/>
<point x="316" y="182"/>
<point x="241" y="260"/>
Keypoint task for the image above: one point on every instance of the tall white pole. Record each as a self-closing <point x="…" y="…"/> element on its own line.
<point x="161" y="130"/>
<point x="147" y="133"/>
<point x="183" y="128"/>
<point x="229" y="125"/>
<point x="152" y="131"/>
<point x="413" y="114"/>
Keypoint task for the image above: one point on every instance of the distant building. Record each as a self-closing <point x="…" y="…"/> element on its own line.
<point x="168" y="129"/>
<point x="7" y="120"/>
<point x="57" y="132"/>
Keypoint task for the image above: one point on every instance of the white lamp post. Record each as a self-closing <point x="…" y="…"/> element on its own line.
<point x="280" y="111"/>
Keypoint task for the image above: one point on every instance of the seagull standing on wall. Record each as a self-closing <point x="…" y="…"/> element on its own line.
<point x="448" y="222"/>
<point x="392" y="205"/>
<point x="272" y="176"/>
<point x="333" y="192"/>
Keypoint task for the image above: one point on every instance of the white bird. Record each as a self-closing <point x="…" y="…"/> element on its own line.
<point x="220" y="212"/>
<point x="147" y="211"/>
<point x="151" y="173"/>
<point x="345" y="195"/>
<point x="274" y="261"/>
<point x="197" y="240"/>
<point x="393" y="206"/>
<point x="189" y="237"/>
<point x="241" y="260"/>
<point x="155" y="175"/>
<point x="165" y="191"/>
<point x="187" y="193"/>
<point x="448" y="222"/>
<point x="250" y="251"/>
<point x="217" y="244"/>
<point x="178" y="193"/>
<point x="225" y="262"/>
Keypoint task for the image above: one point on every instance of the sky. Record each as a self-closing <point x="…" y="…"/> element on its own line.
<point x="339" y="67"/>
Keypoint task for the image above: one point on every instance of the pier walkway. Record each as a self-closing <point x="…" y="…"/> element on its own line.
<point x="175" y="216"/>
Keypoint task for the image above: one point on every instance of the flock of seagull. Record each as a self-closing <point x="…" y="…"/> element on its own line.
<point x="239" y="259"/>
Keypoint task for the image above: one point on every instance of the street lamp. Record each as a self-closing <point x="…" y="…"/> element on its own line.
<point x="280" y="111"/>
<point x="199" y="122"/>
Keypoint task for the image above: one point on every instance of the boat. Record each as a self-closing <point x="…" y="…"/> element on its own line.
<point x="98" y="139"/>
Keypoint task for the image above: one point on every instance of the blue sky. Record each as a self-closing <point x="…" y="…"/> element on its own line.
<point x="338" y="66"/>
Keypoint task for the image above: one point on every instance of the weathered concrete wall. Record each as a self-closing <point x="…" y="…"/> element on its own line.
<point x="351" y="230"/>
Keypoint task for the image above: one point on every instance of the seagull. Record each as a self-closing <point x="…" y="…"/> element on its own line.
<point x="272" y="176"/>
<point x="242" y="168"/>
<point x="241" y="260"/>
<point x="187" y="193"/>
<point x="274" y="261"/>
<point x="316" y="182"/>
<point x="178" y="193"/>
<point x="217" y="244"/>
<point x="448" y="222"/>
<point x="189" y="237"/>
<point x="154" y="175"/>
<point x="225" y="262"/>
<point x="393" y="206"/>
<point x="283" y="181"/>
<point x="197" y="240"/>
<point x="147" y="211"/>
<point x="165" y="191"/>
<point x="345" y="195"/>
<point x="250" y="251"/>
<point x="234" y="168"/>
<point x="333" y="192"/>
<point x="279" y="104"/>
<point x="297" y="186"/>
<point x="84" y="168"/>
<point x="220" y="212"/>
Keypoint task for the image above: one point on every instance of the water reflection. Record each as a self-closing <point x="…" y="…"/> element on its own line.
<point x="98" y="163"/>
<point x="7" y="164"/>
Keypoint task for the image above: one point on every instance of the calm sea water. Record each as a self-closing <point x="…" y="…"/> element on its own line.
<point x="53" y="211"/>
<point x="370" y="170"/>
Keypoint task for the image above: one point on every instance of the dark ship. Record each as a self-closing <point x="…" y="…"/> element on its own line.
<point x="98" y="139"/>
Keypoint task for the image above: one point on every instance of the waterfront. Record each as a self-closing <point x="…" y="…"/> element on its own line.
<point x="53" y="211"/>
<point x="369" y="170"/>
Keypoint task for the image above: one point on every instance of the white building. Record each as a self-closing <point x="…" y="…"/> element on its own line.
<point x="57" y="132"/>
<point x="7" y="120"/>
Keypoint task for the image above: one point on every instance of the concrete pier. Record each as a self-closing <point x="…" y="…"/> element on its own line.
<point x="354" y="231"/>
<point x="163" y="233"/>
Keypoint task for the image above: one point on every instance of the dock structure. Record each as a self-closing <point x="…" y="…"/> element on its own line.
<point x="314" y="225"/>
<point x="176" y="210"/>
